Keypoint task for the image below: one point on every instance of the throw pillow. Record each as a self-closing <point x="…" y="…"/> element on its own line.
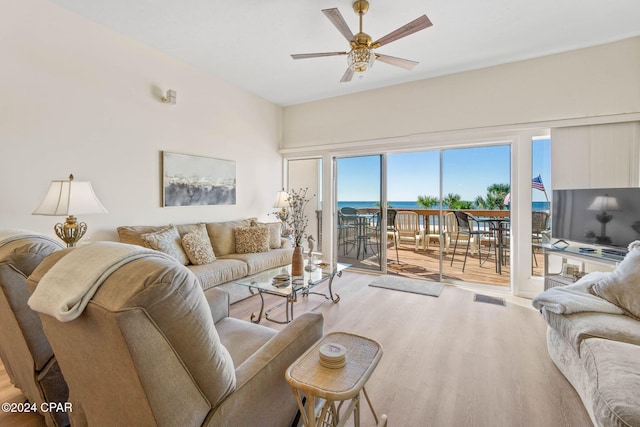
<point x="275" y="236"/>
<point x="222" y="237"/>
<point x="168" y="241"/>
<point x="198" y="248"/>
<point x="622" y="286"/>
<point x="252" y="239"/>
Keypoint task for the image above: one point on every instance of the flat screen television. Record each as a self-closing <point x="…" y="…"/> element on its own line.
<point x="596" y="216"/>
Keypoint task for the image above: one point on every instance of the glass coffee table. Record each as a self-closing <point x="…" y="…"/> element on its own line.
<point x="298" y="285"/>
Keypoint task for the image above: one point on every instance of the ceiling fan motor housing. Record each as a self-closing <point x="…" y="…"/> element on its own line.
<point x="360" y="6"/>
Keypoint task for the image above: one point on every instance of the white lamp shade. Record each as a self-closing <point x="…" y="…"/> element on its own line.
<point x="604" y="203"/>
<point x="70" y="198"/>
<point x="282" y="200"/>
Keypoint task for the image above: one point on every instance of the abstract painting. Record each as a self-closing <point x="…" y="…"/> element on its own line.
<point x="195" y="180"/>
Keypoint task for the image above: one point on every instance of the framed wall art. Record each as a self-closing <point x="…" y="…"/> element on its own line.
<point x="196" y="180"/>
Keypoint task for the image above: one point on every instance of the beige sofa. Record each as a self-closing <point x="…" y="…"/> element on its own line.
<point x="229" y="265"/>
<point x="594" y="339"/>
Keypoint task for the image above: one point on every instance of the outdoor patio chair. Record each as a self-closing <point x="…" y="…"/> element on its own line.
<point x="468" y="226"/>
<point x="450" y="234"/>
<point x="347" y="229"/>
<point x="539" y="223"/>
<point x="408" y="228"/>
<point x="391" y="229"/>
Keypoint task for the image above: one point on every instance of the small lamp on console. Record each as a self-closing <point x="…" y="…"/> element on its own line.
<point x="70" y="198"/>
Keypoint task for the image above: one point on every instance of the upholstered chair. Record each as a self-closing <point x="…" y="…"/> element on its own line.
<point x="151" y="349"/>
<point x="24" y="348"/>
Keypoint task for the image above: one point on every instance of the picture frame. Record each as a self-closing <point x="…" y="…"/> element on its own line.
<point x="189" y="180"/>
<point x="570" y="270"/>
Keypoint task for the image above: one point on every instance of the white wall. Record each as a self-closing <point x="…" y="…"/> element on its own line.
<point x="78" y="98"/>
<point x="596" y="81"/>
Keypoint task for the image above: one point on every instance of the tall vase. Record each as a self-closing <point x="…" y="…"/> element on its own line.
<point x="297" y="262"/>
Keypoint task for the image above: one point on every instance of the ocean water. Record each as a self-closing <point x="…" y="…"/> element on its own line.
<point x="536" y="206"/>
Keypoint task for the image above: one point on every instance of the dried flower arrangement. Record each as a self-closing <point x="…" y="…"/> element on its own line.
<point x="297" y="221"/>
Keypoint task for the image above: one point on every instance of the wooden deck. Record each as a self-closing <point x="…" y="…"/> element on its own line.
<point x="425" y="264"/>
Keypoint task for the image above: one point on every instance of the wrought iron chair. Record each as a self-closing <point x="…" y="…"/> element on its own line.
<point x="392" y="230"/>
<point x="347" y="229"/>
<point x="468" y="226"/>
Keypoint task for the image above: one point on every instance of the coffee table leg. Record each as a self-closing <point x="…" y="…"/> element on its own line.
<point x="337" y="297"/>
<point x="253" y="316"/>
<point x="289" y="308"/>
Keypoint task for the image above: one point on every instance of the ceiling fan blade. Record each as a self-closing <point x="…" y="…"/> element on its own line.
<point x="410" y="28"/>
<point x="336" y="19"/>
<point x="407" y="64"/>
<point x="347" y="76"/>
<point x="315" y="55"/>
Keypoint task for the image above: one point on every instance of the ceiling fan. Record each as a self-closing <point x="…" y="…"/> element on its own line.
<point x="362" y="56"/>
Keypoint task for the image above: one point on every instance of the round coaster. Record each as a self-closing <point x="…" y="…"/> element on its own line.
<point x="333" y="365"/>
<point x="333" y="352"/>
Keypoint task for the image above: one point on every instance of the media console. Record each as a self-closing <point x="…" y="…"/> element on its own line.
<point x="583" y="254"/>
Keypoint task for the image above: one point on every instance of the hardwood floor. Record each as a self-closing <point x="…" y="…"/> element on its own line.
<point x="448" y="361"/>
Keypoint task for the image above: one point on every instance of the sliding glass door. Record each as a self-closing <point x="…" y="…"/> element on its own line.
<point x="476" y="238"/>
<point x="360" y="234"/>
<point x="417" y="234"/>
<point x="413" y="188"/>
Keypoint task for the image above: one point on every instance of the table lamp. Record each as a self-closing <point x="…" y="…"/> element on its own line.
<point x="70" y="198"/>
<point x="603" y="204"/>
<point x="282" y="202"/>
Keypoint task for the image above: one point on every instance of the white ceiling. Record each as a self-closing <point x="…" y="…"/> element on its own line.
<point x="249" y="42"/>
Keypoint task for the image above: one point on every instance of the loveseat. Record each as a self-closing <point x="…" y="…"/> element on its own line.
<point x="240" y="248"/>
<point x="593" y="337"/>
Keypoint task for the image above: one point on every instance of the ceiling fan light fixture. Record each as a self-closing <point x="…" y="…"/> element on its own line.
<point x="360" y="59"/>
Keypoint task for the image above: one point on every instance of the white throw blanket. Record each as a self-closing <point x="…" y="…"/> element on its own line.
<point x="10" y="235"/>
<point x="575" y="298"/>
<point x="65" y="290"/>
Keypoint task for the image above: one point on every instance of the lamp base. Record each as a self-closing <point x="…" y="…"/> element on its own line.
<point x="71" y="231"/>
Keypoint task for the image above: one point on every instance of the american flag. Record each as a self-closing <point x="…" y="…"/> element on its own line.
<point x="537" y="183"/>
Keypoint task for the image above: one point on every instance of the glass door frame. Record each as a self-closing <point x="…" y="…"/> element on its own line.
<point x="383" y="209"/>
<point x="522" y="283"/>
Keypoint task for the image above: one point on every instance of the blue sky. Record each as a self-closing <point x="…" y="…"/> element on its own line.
<point x="467" y="172"/>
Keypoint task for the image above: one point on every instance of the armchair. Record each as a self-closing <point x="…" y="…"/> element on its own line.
<point x="24" y="348"/>
<point x="151" y="349"/>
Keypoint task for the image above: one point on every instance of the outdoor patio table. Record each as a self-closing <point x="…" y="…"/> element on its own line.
<point x="497" y="226"/>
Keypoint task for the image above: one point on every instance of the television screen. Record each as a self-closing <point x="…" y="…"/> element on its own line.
<point x="597" y="216"/>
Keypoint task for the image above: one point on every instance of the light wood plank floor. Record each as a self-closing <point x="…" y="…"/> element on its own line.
<point x="448" y="361"/>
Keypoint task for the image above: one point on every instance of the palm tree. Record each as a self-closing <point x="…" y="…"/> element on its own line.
<point x="451" y="200"/>
<point x="464" y="204"/>
<point x="427" y="202"/>
<point x="495" y="196"/>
